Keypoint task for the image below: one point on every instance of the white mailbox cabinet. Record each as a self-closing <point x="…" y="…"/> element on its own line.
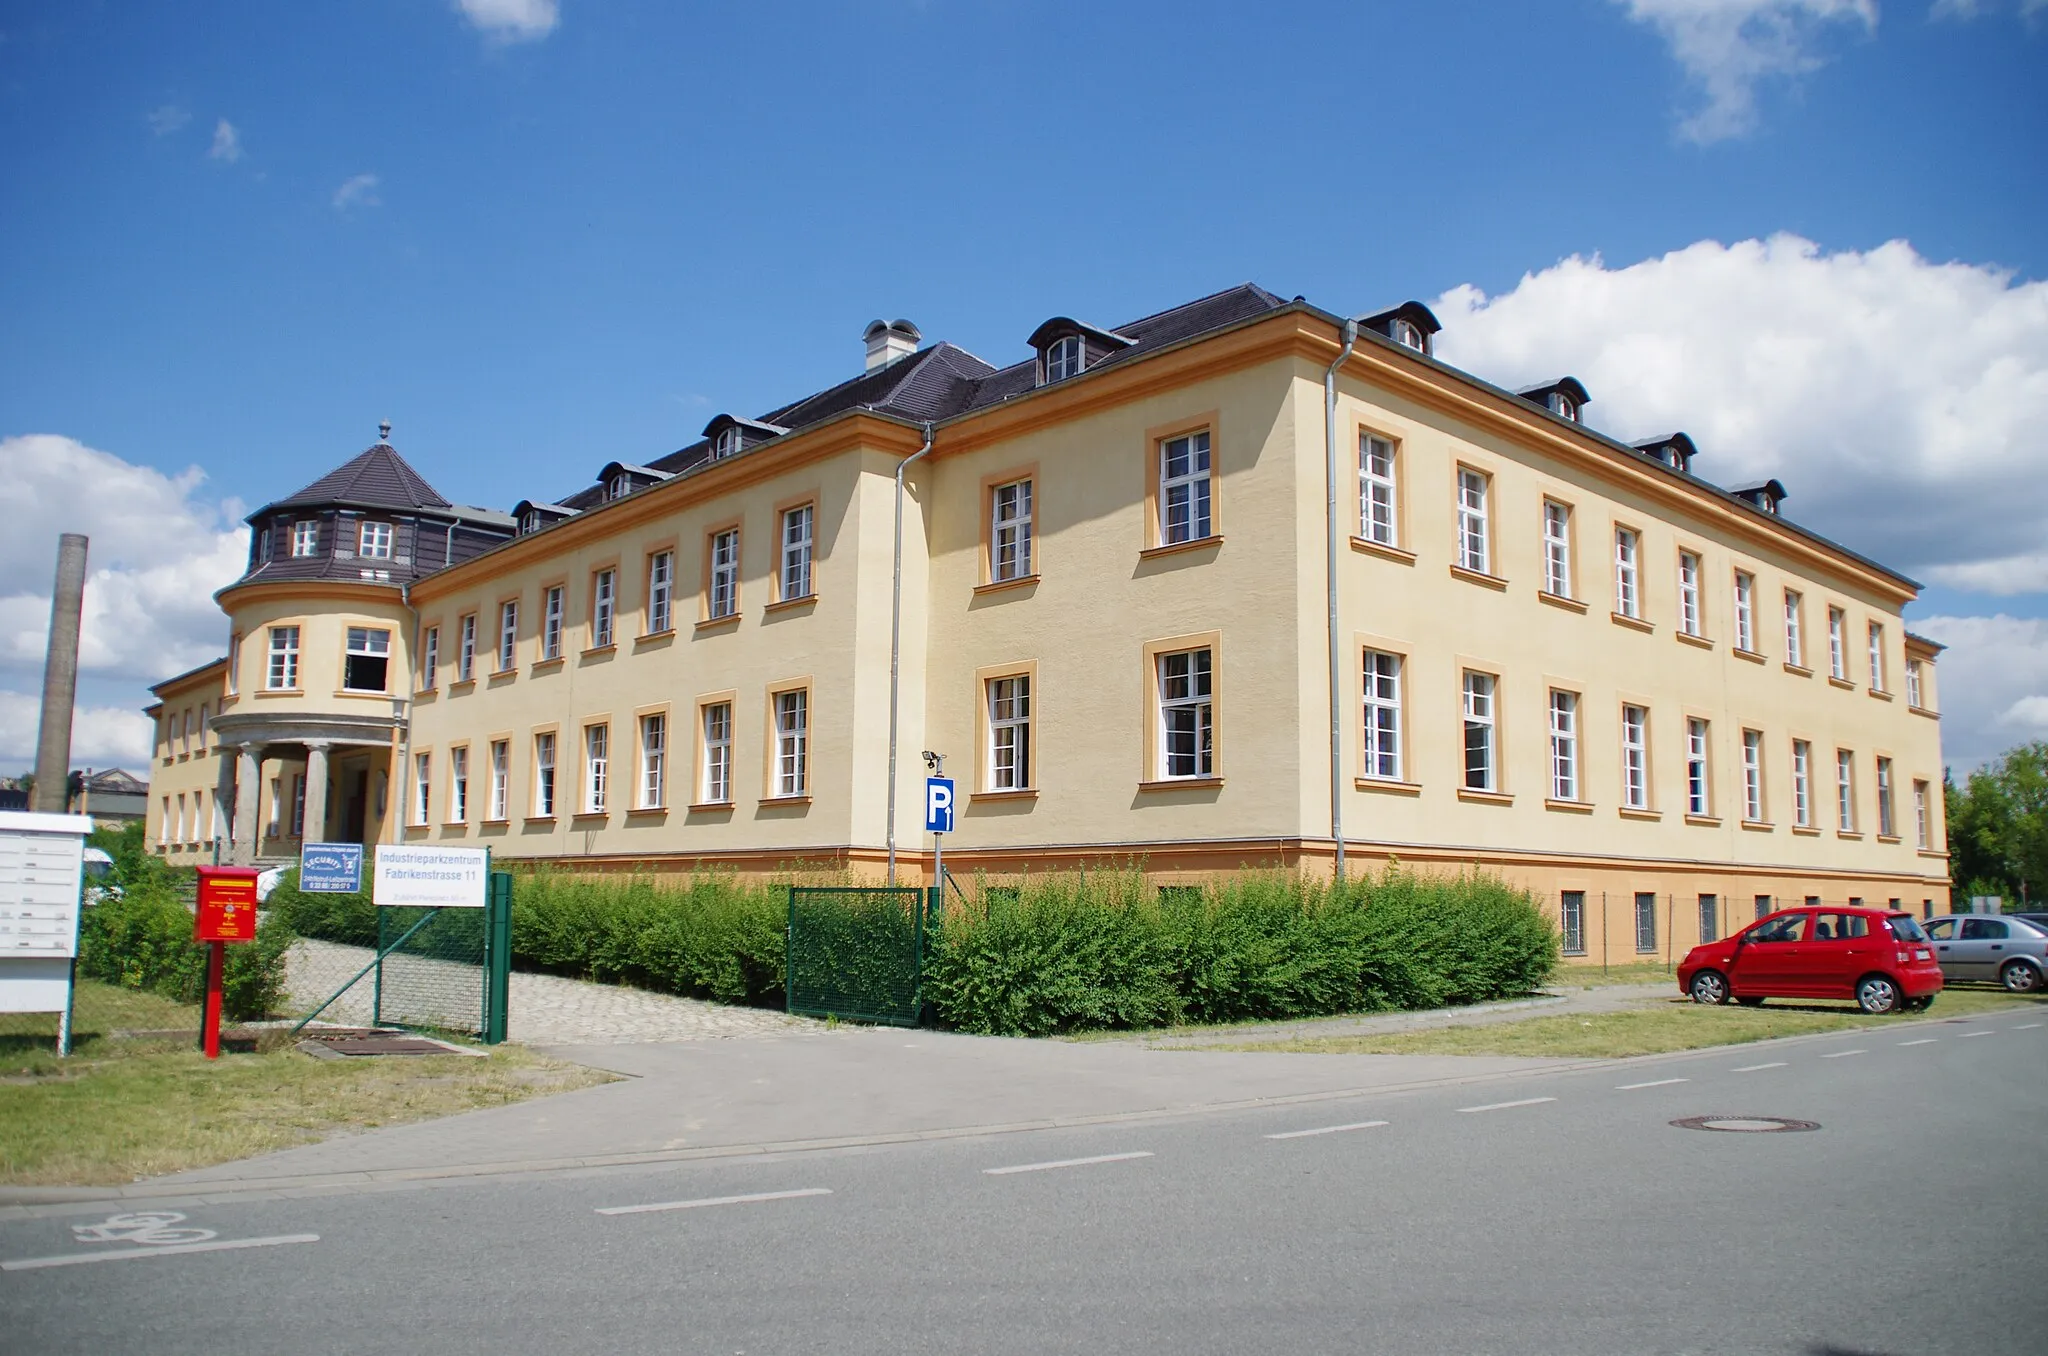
<point x="42" y="860"/>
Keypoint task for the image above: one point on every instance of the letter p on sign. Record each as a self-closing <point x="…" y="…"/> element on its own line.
<point x="938" y="805"/>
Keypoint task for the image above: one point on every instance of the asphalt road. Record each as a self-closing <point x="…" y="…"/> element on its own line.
<point x="1572" y="1219"/>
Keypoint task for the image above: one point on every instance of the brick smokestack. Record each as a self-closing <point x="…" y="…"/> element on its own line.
<point x="60" y="678"/>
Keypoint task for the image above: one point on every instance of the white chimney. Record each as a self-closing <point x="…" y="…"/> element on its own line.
<point x="888" y="341"/>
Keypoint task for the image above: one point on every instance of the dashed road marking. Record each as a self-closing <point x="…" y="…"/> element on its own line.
<point x="1752" y="1068"/>
<point x="128" y="1254"/>
<point x="2027" y="1026"/>
<point x="1967" y="1034"/>
<point x="714" y="1200"/>
<point x="1843" y="1054"/>
<point x="1326" y="1130"/>
<point x="1503" y="1106"/>
<point x="1066" y="1163"/>
<point x="1653" y="1083"/>
<point x="1924" y="1040"/>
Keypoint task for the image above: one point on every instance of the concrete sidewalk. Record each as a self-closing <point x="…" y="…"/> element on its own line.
<point x="829" y="1088"/>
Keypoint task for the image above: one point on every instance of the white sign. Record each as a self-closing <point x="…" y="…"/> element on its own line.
<point x="421" y="876"/>
<point x="41" y="864"/>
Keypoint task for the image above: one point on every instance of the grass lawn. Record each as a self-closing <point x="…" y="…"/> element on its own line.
<point x="1655" y="1030"/>
<point x="1576" y="975"/>
<point x="121" y="1109"/>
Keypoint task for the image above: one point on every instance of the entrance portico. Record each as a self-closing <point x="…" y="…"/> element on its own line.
<point x="351" y="753"/>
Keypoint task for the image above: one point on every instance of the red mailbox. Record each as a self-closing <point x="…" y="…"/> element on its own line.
<point x="226" y="913"/>
<point x="227" y="905"/>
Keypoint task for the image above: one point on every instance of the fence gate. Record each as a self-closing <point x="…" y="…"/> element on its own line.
<point x="856" y="953"/>
<point x="448" y="969"/>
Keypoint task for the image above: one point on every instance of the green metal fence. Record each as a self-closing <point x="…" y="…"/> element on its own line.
<point x="448" y="969"/>
<point x="855" y="953"/>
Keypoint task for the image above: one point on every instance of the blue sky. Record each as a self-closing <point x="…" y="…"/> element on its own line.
<point x="539" y="236"/>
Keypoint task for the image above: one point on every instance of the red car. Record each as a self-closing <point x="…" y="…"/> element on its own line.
<point x="1879" y="958"/>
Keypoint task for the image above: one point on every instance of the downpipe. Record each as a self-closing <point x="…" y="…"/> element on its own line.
<point x="1330" y="584"/>
<point x="896" y="639"/>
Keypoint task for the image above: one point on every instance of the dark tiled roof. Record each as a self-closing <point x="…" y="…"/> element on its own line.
<point x="378" y="478"/>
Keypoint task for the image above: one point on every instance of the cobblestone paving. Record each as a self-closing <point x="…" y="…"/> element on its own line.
<point x="545" y="1009"/>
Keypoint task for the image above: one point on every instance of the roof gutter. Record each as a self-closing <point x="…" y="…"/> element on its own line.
<point x="896" y="638"/>
<point x="1330" y="581"/>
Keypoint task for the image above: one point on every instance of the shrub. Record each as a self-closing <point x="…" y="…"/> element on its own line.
<point x="333" y="918"/>
<point x="712" y="936"/>
<point x="143" y="940"/>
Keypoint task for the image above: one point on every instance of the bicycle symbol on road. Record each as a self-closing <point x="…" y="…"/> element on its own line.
<point x="151" y="1227"/>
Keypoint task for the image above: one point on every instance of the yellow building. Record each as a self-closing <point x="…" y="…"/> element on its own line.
<point x="1239" y="583"/>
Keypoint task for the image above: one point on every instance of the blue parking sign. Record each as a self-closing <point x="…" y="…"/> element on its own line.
<point x="938" y="805"/>
<point x="331" y="868"/>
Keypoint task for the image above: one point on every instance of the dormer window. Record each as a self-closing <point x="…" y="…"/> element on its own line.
<point x="1563" y="406"/>
<point x="305" y="537"/>
<point x="728" y="442"/>
<point x="1564" y="398"/>
<point x="1065" y="358"/>
<point x="621" y="485"/>
<point x="529" y="524"/>
<point x="1410" y="325"/>
<point x="1675" y="450"/>
<point x="1410" y="334"/>
<point x="375" y="541"/>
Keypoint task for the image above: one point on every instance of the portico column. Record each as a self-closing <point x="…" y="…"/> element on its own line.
<point x="223" y="825"/>
<point x="248" y="797"/>
<point x="316" y="793"/>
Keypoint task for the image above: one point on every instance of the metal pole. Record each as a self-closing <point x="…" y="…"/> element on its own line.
<point x="896" y="642"/>
<point x="1603" y="934"/>
<point x="60" y="678"/>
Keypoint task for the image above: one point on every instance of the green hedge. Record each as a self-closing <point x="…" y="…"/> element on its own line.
<point x="712" y="936"/>
<point x="143" y="940"/>
<point x="1055" y="953"/>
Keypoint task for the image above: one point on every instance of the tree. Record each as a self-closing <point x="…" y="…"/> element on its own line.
<point x="1998" y="826"/>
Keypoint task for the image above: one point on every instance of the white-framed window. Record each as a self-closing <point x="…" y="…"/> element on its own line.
<point x="1474" y="552"/>
<point x="1838" y="643"/>
<point x="1410" y="335"/>
<point x="1064" y="358"/>
<point x="1914" y="692"/>
<point x="1877" y="666"/>
<point x="1187" y="714"/>
<point x="465" y="653"/>
<point x="199" y="730"/>
<point x="1887" y="821"/>
<point x="1009" y="532"/>
<point x="430" y="658"/>
<point x="263" y="553"/>
<point x="1923" y="828"/>
<point x="544" y="775"/>
<point x="597" y="749"/>
<point x="1557" y="548"/>
<point x="1564" y="406"/>
<point x="1753" y="776"/>
<point x="277" y="803"/>
<point x="1628" y="595"/>
<point x="1698" y="800"/>
<point x="508" y="634"/>
<point x="163" y="825"/>
<point x="716" y="774"/>
<point x="728" y="442"/>
<point x="792" y="742"/>
<point x="1009" y="732"/>
<point x="1795" y="630"/>
<point x="422" y="787"/>
<point x="796" y="552"/>
<point x="374" y="541"/>
<point x="284" y="658"/>
<point x="1482" y="771"/>
<point x="1635" y="757"/>
<point x="723" y="598"/>
<point x="1745" y="611"/>
<point x="234" y="662"/>
<point x="458" y="785"/>
<point x="653" y="761"/>
<point x="305" y="537"/>
<point x="530" y="523"/>
<point x="1688" y="593"/>
<point x="366" y="665"/>
<point x="1802" y="783"/>
<point x="1378" y="494"/>
<point x="1382" y="688"/>
<point x="1184" y="489"/>
<point x="1845" y="790"/>
<point x="551" y="624"/>
<point x="661" y="589"/>
<point x="1564" y="745"/>
<point x="501" y="778"/>
<point x="604" y="603"/>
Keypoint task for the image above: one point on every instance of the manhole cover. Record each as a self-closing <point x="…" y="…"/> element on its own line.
<point x="1745" y="1125"/>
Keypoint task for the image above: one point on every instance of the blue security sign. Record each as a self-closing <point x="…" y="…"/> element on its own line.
<point x="938" y="805"/>
<point x="331" y="868"/>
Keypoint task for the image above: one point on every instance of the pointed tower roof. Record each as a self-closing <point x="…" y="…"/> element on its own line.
<point x="376" y="478"/>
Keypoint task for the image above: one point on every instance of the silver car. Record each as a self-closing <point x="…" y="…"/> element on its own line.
<point x="1987" y="949"/>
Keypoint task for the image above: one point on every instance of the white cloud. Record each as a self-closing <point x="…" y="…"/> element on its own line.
<point x="1729" y="47"/>
<point x="512" y="20"/>
<point x="168" y="119"/>
<point x="2002" y="578"/>
<point x="360" y="191"/>
<point x="1966" y="10"/>
<point x="101" y="736"/>
<point x="159" y="551"/>
<point x="1900" y="400"/>
<point x="227" y="142"/>
<point x="1992" y="683"/>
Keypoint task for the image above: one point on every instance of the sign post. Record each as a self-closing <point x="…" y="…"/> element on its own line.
<point x="938" y="820"/>
<point x="226" y="913"/>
